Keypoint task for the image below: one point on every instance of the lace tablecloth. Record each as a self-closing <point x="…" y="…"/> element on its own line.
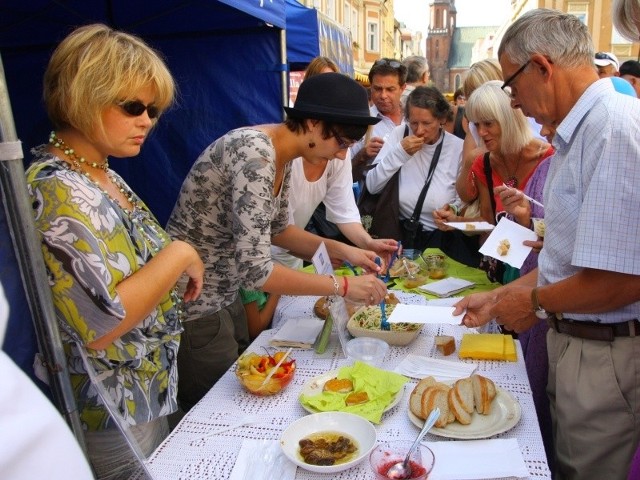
<point x="186" y="455"/>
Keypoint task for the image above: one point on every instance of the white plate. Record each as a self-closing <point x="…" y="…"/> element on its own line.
<point x="315" y="385"/>
<point x="358" y="428"/>
<point x="505" y="414"/>
<point x="480" y="227"/>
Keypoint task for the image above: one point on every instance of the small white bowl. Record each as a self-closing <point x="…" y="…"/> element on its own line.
<point x="353" y="426"/>
<point x="367" y="349"/>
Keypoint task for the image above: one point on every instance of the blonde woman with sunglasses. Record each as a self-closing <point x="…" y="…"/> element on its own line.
<point x="112" y="268"/>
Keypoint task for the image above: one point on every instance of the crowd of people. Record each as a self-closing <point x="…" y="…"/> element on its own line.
<point x="161" y="313"/>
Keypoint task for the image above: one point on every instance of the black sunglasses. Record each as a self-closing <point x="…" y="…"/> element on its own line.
<point x="391" y="63"/>
<point x="603" y="56"/>
<point x="135" y="108"/>
<point x="342" y="143"/>
<point x="505" y="86"/>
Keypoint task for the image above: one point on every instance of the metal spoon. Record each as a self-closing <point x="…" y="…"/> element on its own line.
<point x="402" y="469"/>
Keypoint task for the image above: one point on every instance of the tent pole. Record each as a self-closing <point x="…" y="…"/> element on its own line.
<point x="285" y="70"/>
<point x="26" y="244"/>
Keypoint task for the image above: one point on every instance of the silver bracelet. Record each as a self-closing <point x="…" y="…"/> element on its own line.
<point x="336" y="285"/>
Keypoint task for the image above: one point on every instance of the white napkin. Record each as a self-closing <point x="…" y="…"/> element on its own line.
<point x="480" y="226"/>
<point x="298" y="332"/>
<point x="516" y="234"/>
<point x="424" y="314"/>
<point x="416" y="366"/>
<point x="447" y="286"/>
<point x="262" y="460"/>
<point x="477" y="459"/>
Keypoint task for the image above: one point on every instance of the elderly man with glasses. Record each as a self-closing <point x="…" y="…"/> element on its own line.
<point x="388" y="79"/>
<point x="587" y="285"/>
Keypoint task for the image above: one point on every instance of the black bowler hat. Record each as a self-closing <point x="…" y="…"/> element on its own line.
<point x="332" y="97"/>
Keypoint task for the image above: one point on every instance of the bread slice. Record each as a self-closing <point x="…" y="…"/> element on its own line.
<point x="446" y="344"/>
<point x="464" y="394"/>
<point x="436" y="397"/>
<point x="455" y="405"/>
<point x="339" y="385"/>
<point x="356" y="398"/>
<point x="415" y="399"/>
<point x="484" y="391"/>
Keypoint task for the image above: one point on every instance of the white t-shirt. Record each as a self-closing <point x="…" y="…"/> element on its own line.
<point x="36" y="441"/>
<point x="334" y="188"/>
<point x="413" y="173"/>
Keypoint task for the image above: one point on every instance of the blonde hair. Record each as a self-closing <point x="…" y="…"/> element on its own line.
<point x="95" y="67"/>
<point x="479" y="73"/>
<point x="318" y="64"/>
<point x="488" y="103"/>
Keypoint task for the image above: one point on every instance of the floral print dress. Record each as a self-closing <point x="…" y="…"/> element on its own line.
<point x="228" y="211"/>
<point x="90" y="244"/>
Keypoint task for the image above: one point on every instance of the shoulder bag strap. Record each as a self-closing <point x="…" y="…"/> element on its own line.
<point x="489" y="175"/>
<point x="423" y="193"/>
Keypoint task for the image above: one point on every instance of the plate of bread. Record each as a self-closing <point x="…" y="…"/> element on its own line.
<point x="329" y="382"/>
<point x="471" y="408"/>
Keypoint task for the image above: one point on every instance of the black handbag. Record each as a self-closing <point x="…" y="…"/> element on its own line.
<point x="411" y="227"/>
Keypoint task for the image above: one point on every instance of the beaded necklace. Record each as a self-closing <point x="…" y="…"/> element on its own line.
<point x="137" y="215"/>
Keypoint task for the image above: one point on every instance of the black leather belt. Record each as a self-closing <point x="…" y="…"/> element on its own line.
<point x="605" y="332"/>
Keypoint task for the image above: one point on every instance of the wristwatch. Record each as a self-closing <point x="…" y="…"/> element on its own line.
<point x="540" y="312"/>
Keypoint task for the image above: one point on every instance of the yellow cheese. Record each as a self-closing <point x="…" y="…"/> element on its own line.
<point x="509" y="349"/>
<point x="487" y="346"/>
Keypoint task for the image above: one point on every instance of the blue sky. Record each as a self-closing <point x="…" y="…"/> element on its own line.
<point x="415" y="13"/>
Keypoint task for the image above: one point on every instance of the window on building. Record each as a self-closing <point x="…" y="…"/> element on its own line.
<point x="372" y="37"/>
<point x="580" y="10"/>
<point x="346" y="16"/>
<point x="355" y="30"/>
<point x="457" y="81"/>
<point x="331" y="9"/>
<point x="437" y="49"/>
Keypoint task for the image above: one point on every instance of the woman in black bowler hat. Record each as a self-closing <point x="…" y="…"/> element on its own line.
<point x="234" y="204"/>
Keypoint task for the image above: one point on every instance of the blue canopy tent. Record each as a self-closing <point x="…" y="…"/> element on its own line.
<point x="311" y="33"/>
<point x="228" y="60"/>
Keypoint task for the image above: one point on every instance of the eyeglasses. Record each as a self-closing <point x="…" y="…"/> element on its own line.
<point x="385" y="61"/>
<point x="136" y="108"/>
<point x="342" y="143"/>
<point x="505" y="86"/>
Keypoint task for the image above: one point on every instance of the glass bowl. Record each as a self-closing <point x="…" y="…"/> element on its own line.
<point x="389" y="453"/>
<point x="252" y="370"/>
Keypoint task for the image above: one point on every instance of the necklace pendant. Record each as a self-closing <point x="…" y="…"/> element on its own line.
<point x="511" y="181"/>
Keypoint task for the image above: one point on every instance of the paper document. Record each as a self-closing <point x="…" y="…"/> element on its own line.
<point x="424" y="314"/>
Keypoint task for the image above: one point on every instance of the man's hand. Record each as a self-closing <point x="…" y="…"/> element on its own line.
<point x="513" y="308"/>
<point x="477" y="306"/>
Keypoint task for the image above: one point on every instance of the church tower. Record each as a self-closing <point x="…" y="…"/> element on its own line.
<point x="442" y="24"/>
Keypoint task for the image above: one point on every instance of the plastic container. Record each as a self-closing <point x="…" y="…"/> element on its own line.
<point x="367" y="349"/>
